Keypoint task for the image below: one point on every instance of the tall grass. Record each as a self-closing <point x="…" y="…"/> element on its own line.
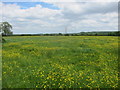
<point x="60" y="62"/>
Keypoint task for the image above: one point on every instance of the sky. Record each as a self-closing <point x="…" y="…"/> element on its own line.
<point x="50" y="16"/>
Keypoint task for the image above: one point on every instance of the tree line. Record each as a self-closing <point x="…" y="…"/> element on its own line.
<point x="113" y="33"/>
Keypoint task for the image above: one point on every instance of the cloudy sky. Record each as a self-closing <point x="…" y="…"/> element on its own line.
<point x="50" y="16"/>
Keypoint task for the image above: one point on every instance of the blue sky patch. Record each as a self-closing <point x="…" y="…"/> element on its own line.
<point x="26" y="5"/>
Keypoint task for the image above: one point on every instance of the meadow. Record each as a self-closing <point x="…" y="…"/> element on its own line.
<point x="60" y="62"/>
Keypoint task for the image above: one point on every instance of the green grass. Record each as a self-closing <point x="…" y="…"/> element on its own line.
<point x="60" y="62"/>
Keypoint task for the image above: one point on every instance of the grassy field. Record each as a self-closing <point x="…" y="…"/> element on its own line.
<point x="60" y="62"/>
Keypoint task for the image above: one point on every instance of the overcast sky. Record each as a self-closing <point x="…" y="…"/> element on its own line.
<point x="44" y="16"/>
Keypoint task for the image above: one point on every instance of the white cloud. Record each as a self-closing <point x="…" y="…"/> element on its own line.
<point x="12" y="10"/>
<point x="52" y="1"/>
<point x="97" y="22"/>
<point x="78" y="17"/>
<point x="75" y="0"/>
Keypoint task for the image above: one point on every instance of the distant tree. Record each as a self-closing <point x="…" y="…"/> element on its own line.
<point x="5" y="28"/>
<point x="60" y="34"/>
